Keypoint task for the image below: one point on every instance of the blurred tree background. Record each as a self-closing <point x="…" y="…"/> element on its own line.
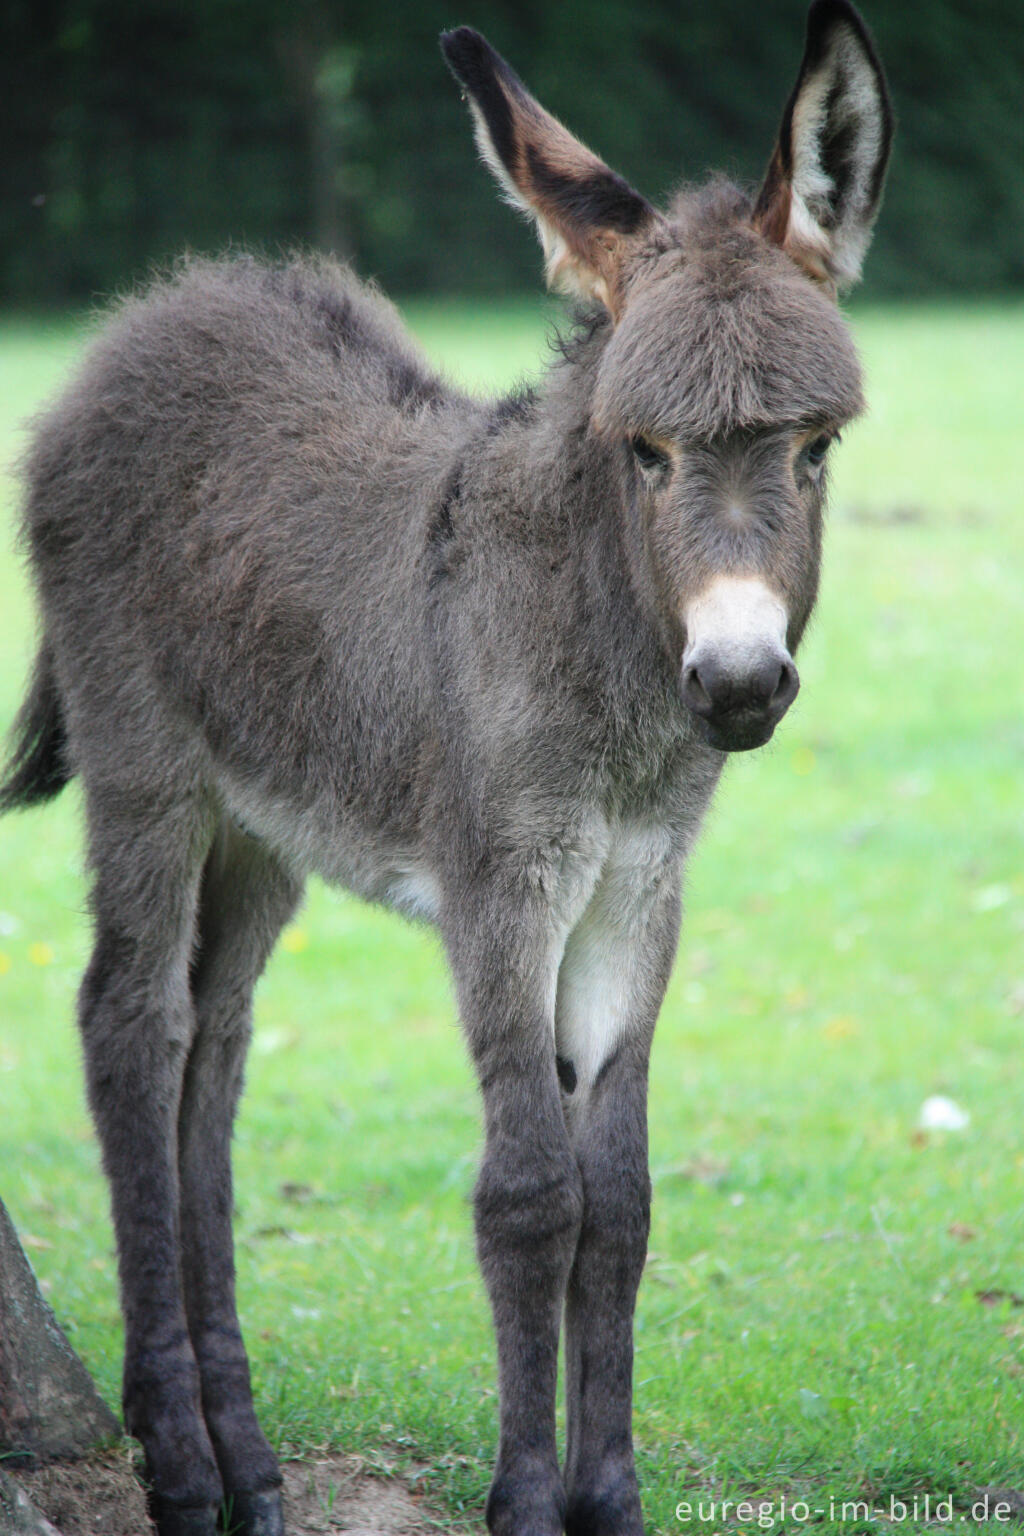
<point x="135" y="128"/>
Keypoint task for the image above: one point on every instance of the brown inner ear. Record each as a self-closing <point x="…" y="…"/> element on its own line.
<point x="771" y="218"/>
<point x="596" y="256"/>
<point x="557" y="177"/>
<point x="771" y="212"/>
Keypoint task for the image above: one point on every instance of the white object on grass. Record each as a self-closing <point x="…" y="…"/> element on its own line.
<point x="941" y="1114"/>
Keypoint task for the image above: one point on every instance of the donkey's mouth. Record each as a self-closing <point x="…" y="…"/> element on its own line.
<point x="738" y="713"/>
<point x="736" y="733"/>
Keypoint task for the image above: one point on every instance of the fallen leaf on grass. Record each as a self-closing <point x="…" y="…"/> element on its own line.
<point x="703" y="1168"/>
<point x="961" y="1231"/>
<point x="299" y="1194"/>
<point x="993" y="1297"/>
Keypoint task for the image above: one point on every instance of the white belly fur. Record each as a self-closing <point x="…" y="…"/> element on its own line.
<point x="602" y="881"/>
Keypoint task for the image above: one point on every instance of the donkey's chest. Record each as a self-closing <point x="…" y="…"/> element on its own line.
<point x="615" y="917"/>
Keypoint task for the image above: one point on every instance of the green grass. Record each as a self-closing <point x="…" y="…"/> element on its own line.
<point x="809" y="1324"/>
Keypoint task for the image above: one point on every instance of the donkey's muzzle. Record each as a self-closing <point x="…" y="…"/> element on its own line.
<point x="737" y="708"/>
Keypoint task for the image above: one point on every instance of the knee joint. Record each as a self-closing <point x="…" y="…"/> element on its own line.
<point x="521" y="1206"/>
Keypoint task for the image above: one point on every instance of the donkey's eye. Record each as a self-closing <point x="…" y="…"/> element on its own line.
<point x="817" y="449"/>
<point x="652" y="460"/>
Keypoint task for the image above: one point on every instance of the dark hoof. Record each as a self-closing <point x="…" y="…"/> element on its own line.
<point x="253" y="1514"/>
<point x="526" y="1506"/>
<point x="183" y="1519"/>
<point x="613" y="1512"/>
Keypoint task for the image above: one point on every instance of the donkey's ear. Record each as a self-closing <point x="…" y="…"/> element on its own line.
<point x="824" y="183"/>
<point x="585" y="214"/>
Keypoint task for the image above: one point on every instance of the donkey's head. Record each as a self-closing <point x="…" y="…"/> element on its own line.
<point x="728" y="370"/>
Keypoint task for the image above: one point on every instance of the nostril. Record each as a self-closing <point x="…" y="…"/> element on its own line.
<point x="786" y="687"/>
<point x="766" y="686"/>
<point x="694" y="691"/>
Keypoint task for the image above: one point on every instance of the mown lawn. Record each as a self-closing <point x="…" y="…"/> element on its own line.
<point x="833" y="1305"/>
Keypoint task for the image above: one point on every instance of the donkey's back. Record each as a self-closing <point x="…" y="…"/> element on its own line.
<point x="226" y="520"/>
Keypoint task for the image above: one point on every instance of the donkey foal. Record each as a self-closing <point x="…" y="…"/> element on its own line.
<point x="306" y="607"/>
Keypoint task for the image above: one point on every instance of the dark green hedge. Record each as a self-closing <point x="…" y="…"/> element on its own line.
<point x="134" y="128"/>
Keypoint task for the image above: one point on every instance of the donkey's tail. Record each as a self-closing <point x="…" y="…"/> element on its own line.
<point x="37" y="768"/>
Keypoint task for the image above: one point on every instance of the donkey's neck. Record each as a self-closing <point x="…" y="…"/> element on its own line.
<point x="557" y="495"/>
<point x="589" y="493"/>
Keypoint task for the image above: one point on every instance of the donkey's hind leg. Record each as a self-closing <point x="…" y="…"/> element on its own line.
<point x="137" y="1022"/>
<point x="245" y="900"/>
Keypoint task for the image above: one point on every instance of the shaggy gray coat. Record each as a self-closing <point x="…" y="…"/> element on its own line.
<point x="305" y="607"/>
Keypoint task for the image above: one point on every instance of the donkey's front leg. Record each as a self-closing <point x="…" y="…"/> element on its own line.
<point x="612" y="983"/>
<point x="528" y="1205"/>
<point x="603" y="1496"/>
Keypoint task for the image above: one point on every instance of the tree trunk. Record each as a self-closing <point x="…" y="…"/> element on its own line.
<point x="49" y="1407"/>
